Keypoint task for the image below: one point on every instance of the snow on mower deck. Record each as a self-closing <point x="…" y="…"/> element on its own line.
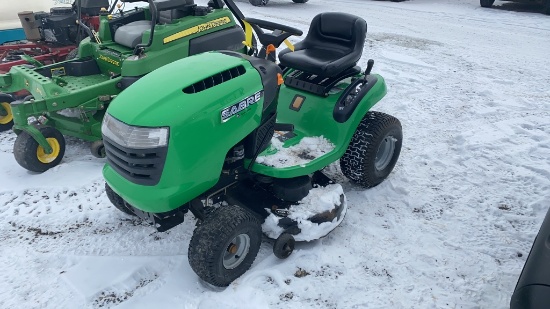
<point x="314" y="217"/>
<point x="323" y="209"/>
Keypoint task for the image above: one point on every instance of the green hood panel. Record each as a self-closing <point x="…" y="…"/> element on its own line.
<point x="161" y="91"/>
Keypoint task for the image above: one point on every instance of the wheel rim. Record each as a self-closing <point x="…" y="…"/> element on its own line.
<point x="385" y="153"/>
<point x="48" y="157"/>
<point x="236" y="251"/>
<point x="5" y="119"/>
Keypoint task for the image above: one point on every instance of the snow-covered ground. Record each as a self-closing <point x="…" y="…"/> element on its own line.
<point x="450" y="228"/>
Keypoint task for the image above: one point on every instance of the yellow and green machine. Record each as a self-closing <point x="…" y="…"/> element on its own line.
<point x="70" y="98"/>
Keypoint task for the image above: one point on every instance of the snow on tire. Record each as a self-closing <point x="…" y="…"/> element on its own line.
<point x="373" y="150"/>
<point x="225" y="244"/>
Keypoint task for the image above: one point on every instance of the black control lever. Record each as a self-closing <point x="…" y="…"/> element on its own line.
<point x="287" y="127"/>
<point x="370" y="64"/>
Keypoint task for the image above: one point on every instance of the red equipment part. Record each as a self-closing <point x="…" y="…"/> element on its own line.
<point x="45" y="53"/>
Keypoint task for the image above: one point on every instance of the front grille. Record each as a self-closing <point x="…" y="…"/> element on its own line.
<point x="140" y="166"/>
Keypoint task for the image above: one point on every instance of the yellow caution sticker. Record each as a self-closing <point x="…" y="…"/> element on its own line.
<point x="196" y="29"/>
<point x="58" y="71"/>
<point x="109" y="60"/>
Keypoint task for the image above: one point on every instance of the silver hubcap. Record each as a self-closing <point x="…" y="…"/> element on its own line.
<point x="236" y="251"/>
<point x="385" y="153"/>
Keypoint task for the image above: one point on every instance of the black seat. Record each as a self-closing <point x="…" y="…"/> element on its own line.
<point x="130" y="35"/>
<point x="168" y="17"/>
<point x="333" y="44"/>
<point x="170" y="10"/>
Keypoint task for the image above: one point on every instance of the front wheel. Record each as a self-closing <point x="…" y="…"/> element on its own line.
<point x="300" y="1"/>
<point x="97" y="149"/>
<point x="117" y="200"/>
<point x="373" y="150"/>
<point x="6" y="116"/>
<point x="225" y="244"/>
<point x="30" y="155"/>
<point x="486" y="3"/>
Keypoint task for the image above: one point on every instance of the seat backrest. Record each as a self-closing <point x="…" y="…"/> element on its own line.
<point x="167" y="17"/>
<point x="165" y="5"/>
<point x="170" y="10"/>
<point x="339" y="31"/>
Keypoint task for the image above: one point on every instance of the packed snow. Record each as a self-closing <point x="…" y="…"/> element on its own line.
<point x="451" y="227"/>
<point x="307" y="150"/>
<point x="319" y="200"/>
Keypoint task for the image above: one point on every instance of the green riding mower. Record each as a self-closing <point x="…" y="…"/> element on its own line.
<point x="243" y="143"/>
<point x="70" y="98"/>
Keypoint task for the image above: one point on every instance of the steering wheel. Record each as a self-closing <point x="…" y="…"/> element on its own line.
<point x="279" y="34"/>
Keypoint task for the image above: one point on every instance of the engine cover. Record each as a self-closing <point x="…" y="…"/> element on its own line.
<point x="59" y="26"/>
<point x="93" y="7"/>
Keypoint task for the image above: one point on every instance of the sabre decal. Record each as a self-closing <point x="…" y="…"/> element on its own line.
<point x="236" y="108"/>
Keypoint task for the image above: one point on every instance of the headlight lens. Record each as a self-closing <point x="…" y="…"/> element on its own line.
<point x="133" y="137"/>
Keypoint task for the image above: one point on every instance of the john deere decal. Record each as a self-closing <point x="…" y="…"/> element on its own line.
<point x="239" y="107"/>
<point x="196" y="29"/>
<point x="109" y="60"/>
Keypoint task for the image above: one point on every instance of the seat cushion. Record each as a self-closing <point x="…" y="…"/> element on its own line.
<point x="323" y="62"/>
<point x="130" y="34"/>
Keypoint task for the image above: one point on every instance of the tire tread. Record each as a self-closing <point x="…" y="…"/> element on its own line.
<point x="211" y="235"/>
<point x="362" y="149"/>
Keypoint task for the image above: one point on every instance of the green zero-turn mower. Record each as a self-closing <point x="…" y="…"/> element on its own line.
<point x="242" y="143"/>
<point x="70" y="98"/>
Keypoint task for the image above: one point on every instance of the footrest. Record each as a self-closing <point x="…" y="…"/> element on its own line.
<point x="316" y="84"/>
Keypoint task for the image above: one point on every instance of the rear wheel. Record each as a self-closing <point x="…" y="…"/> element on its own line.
<point x="6" y="116"/>
<point x="300" y="1"/>
<point x="225" y="245"/>
<point x="486" y="3"/>
<point x="117" y="200"/>
<point x="30" y="155"/>
<point x="259" y="2"/>
<point x="373" y="150"/>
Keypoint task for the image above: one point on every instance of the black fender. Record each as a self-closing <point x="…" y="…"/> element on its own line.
<point x="344" y="107"/>
<point x="533" y="288"/>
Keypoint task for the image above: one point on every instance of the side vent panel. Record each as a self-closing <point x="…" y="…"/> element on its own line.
<point x="215" y="79"/>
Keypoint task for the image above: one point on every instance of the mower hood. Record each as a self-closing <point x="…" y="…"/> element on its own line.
<point x="158" y="99"/>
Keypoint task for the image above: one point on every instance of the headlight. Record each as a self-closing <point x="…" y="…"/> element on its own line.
<point x="133" y="137"/>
